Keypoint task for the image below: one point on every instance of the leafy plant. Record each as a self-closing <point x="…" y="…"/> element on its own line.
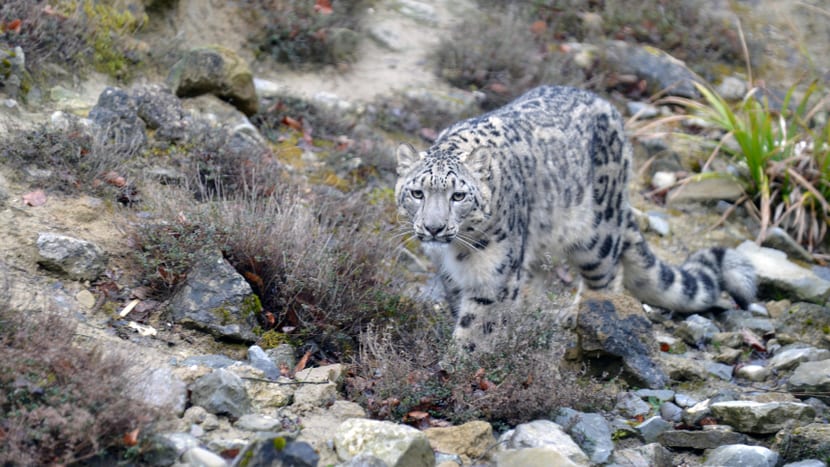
<point x="786" y="151"/>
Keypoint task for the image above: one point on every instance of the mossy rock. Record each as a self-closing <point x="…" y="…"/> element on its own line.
<point x="215" y="70"/>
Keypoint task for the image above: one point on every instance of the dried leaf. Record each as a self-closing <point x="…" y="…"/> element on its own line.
<point x="538" y="27"/>
<point x="302" y="363"/>
<point x="229" y="454"/>
<point x="255" y="279"/>
<point x="498" y="88"/>
<point x="13" y="26"/>
<point x="35" y="198"/>
<point x="664" y="347"/>
<point x="131" y="438"/>
<point x="114" y="179"/>
<point x="292" y="123"/>
<point x="323" y="7"/>
<point x="752" y="340"/>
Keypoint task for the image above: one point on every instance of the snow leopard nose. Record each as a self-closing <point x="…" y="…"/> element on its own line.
<point x="435" y="229"/>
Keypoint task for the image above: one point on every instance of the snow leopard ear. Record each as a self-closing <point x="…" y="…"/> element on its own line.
<point x="407" y="157"/>
<point x="478" y="162"/>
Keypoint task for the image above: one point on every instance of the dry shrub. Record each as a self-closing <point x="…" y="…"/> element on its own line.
<point x="61" y="403"/>
<point x="518" y="379"/>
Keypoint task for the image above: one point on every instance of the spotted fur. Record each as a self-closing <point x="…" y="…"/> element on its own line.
<point x="545" y="175"/>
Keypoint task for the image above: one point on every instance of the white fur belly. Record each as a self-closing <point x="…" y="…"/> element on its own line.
<point x="476" y="270"/>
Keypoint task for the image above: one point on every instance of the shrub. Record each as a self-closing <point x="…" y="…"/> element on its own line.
<point x="61" y="403"/>
<point x="305" y="32"/>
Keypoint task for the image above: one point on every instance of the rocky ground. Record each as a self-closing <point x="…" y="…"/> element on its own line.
<point x="738" y="388"/>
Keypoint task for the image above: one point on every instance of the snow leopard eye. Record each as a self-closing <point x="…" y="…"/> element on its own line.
<point x="417" y="194"/>
<point x="459" y="196"/>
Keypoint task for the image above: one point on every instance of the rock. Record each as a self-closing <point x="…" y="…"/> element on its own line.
<point x="728" y="355"/>
<point x="697" y="330"/>
<point x="543" y="434"/>
<point x="650" y="455"/>
<point x="719" y="370"/>
<point x="317" y="428"/>
<point x="790" y="356"/>
<point x="274" y="450"/>
<point x="732" y="88"/>
<point x="685" y="400"/>
<point x="661" y="71"/>
<point x="805" y="442"/>
<point x="661" y="180"/>
<point x="630" y="405"/>
<point x="811" y="378"/>
<point x="320" y="374"/>
<point x="535" y="457"/>
<point x="779" y="239"/>
<point x="161" y="111"/>
<point x="709" y="186"/>
<point x="75" y="258"/>
<point x="218" y="71"/>
<point x="702" y="439"/>
<point x="761" y="418"/>
<point x="200" y="457"/>
<point x="115" y="115"/>
<point x="671" y="412"/>
<point x="266" y="394"/>
<point x="804" y="322"/>
<point x="166" y="448"/>
<point x="806" y="463"/>
<point x="736" y="320"/>
<point x="471" y="440"/>
<point x="651" y="428"/>
<point x="419" y="11"/>
<point x="257" y="422"/>
<point x="210" y="361"/>
<point x="752" y="372"/>
<point x="15" y="81"/>
<point x="657" y="223"/>
<point x="642" y="109"/>
<point x="397" y="445"/>
<point x="682" y="368"/>
<point x="740" y="455"/>
<point x="260" y="360"/>
<point x="315" y="395"/>
<point x="385" y="36"/>
<point x="221" y="392"/>
<point x="602" y="329"/>
<point x="777" y="274"/>
<point x="590" y="431"/>
<point x="283" y="355"/>
<point x="160" y="388"/>
<point x="217" y="299"/>
<point x="658" y="394"/>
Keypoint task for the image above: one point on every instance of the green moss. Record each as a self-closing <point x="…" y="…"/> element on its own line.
<point x="826" y="329"/>
<point x="271" y="338"/>
<point x="223" y="315"/>
<point x="251" y="306"/>
<point x="279" y="443"/>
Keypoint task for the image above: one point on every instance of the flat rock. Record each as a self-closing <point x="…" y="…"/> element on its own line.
<point x="543" y="434"/>
<point x="590" y="430"/>
<point x="75" y="258"/>
<point x="812" y="378"/>
<point x="659" y="69"/>
<point x="221" y="392"/>
<point x="649" y="455"/>
<point x="761" y="418"/>
<point x="805" y="442"/>
<point x="804" y="322"/>
<point x="714" y="186"/>
<point x="696" y="330"/>
<point x="535" y="457"/>
<point x="789" y="357"/>
<point x="703" y="439"/>
<point x="682" y="368"/>
<point x="740" y="455"/>
<point x="776" y="273"/>
<point x="471" y="440"/>
<point x="652" y="428"/>
<point x="397" y="445"/>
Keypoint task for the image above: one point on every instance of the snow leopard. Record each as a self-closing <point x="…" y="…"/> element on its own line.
<point x="545" y="175"/>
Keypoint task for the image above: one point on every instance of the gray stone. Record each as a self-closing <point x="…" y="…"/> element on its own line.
<point x="740" y="455"/>
<point x="217" y="299"/>
<point x="719" y="370"/>
<point x="736" y="320"/>
<point x="210" y="361"/>
<point x="115" y="115"/>
<point x="257" y="422"/>
<point x="804" y="442"/>
<point x="283" y="356"/>
<point x="661" y="71"/>
<point x="649" y="455"/>
<point x="590" y="430"/>
<point x="276" y="450"/>
<point x="470" y="441"/>
<point x="200" y="457"/>
<point x="697" y="330"/>
<point x="658" y="223"/>
<point x="75" y="258"/>
<point x="543" y="434"/>
<point x="658" y="394"/>
<point x="166" y="448"/>
<point x="160" y="388"/>
<point x="260" y="360"/>
<point x="642" y="109"/>
<point x="221" y="392"/>
<point x="315" y="395"/>
<point x="535" y="457"/>
<point x="700" y="439"/>
<point x="215" y="70"/>
<point x="682" y="368"/>
<point x="651" y="428"/>
<point x="419" y="11"/>
<point x="366" y="460"/>
<point x="761" y="417"/>
<point x="161" y="111"/>
<point x="692" y="415"/>
<point x="671" y="412"/>
<point x="685" y="400"/>
<point x="710" y="186"/>
<point x="777" y="274"/>
<point x="779" y="239"/>
<point x="806" y="463"/>
<point x="602" y="329"/>
<point x="752" y="372"/>
<point x="790" y="356"/>
<point x="630" y="405"/>
<point x="397" y="445"/>
<point x="386" y="36"/>
<point x="812" y="378"/>
<point x="804" y="322"/>
<point x="732" y="88"/>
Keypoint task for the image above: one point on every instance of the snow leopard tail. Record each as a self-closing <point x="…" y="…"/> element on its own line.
<point x="694" y="286"/>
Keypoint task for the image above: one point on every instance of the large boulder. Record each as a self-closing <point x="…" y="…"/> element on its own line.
<point x="222" y="393"/>
<point x="761" y="417"/>
<point x="218" y="71"/>
<point x="397" y="445"/>
<point x="75" y="258"/>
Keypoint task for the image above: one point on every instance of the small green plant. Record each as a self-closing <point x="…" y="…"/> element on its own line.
<point x="786" y="151"/>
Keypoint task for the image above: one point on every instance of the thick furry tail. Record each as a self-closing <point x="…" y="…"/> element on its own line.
<point x="694" y="286"/>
